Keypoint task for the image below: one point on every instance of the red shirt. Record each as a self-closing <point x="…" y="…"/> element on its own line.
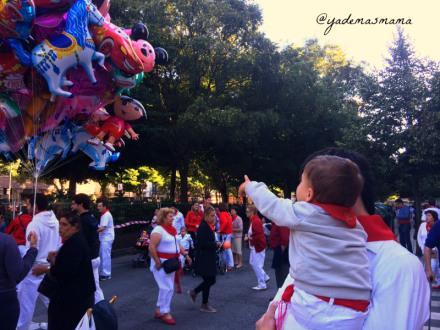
<point x="193" y="220"/>
<point x="257" y="239"/>
<point x="17" y="228"/>
<point x="225" y="223"/>
<point x="279" y="236"/>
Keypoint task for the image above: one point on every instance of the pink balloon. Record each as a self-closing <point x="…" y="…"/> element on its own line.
<point x="48" y="25"/>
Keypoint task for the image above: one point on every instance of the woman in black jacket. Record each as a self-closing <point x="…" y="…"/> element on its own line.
<point x="72" y="273"/>
<point x="205" y="266"/>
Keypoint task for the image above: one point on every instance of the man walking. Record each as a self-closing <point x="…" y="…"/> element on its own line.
<point x="106" y="232"/>
<point x="89" y="228"/>
<point x="403" y="215"/>
<point x="45" y="225"/>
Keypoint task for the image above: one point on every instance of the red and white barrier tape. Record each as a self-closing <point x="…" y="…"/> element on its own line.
<point x="130" y="223"/>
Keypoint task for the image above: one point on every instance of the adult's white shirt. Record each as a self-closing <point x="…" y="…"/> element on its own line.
<point x="178" y="221"/>
<point x="435" y="209"/>
<point x="108" y="234"/>
<point x="46" y="227"/>
<point x="421" y="235"/>
<point x="400" y="295"/>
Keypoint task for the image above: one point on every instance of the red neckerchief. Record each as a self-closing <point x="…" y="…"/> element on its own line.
<point x="341" y="213"/>
<point x="170" y="229"/>
<point x="234" y="217"/>
<point x="428" y="226"/>
<point x="105" y="211"/>
<point x="211" y="226"/>
<point x="376" y="228"/>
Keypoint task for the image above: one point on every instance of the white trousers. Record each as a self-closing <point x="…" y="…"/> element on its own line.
<point x="165" y="282"/>
<point x="27" y="296"/>
<point x="307" y="312"/>
<point x="227" y="253"/>
<point x="256" y="260"/>
<point x="105" y="254"/>
<point x="99" y="295"/>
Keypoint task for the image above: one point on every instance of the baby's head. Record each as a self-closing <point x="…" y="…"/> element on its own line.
<point x="330" y="180"/>
<point x="183" y="231"/>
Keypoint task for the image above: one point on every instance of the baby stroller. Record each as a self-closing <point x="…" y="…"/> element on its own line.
<point x="142" y="243"/>
<point x="220" y="260"/>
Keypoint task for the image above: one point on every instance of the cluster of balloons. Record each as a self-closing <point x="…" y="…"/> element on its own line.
<point x="61" y="63"/>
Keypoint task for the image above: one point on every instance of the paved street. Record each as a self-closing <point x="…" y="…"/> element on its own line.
<point x="237" y="304"/>
<point x="435" y="311"/>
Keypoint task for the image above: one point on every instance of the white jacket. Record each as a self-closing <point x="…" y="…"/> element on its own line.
<point x="46" y="226"/>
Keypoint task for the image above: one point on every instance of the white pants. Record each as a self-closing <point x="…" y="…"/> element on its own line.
<point x="307" y="312"/>
<point x="227" y="253"/>
<point x="165" y="282"/>
<point x="105" y="254"/>
<point x="99" y="295"/>
<point x="256" y="260"/>
<point x="27" y="296"/>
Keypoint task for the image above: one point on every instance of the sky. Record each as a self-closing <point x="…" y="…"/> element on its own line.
<point x="290" y="21"/>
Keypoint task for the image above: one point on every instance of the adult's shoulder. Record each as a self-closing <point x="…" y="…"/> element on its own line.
<point x="394" y="258"/>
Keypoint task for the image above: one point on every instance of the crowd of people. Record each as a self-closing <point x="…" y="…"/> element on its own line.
<point x="59" y="257"/>
<point x="337" y="264"/>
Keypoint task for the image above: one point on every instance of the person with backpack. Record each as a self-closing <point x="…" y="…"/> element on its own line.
<point x="403" y="215"/>
<point x="17" y="227"/>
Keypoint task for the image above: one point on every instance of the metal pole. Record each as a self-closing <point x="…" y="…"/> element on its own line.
<point x="10" y="184"/>
<point x="35" y="194"/>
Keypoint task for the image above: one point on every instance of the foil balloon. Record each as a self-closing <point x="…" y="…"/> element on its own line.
<point x="114" y="43"/>
<point x="139" y="31"/>
<point x="48" y="25"/>
<point x="11" y="71"/>
<point x="37" y="113"/>
<point x="53" y="4"/>
<point x="99" y="154"/>
<point x="146" y="54"/>
<point x="54" y="56"/>
<point x="13" y="126"/>
<point x="45" y="147"/>
<point x="113" y="128"/>
<point x="16" y="18"/>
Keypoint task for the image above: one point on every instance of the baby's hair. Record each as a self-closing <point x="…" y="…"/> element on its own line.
<point x="335" y="180"/>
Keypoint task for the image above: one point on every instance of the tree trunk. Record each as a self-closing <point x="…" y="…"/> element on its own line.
<point x="287" y="191"/>
<point x="72" y="186"/>
<point x="183" y="171"/>
<point x="173" y="184"/>
<point x="224" y="189"/>
<point x="418" y="208"/>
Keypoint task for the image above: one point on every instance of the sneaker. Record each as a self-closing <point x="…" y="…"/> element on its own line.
<point x="259" y="288"/>
<point x="267" y="279"/>
<point x="207" y="308"/>
<point x="94" y="141"/>
<point x="192" y="295"/>
<point x="109" y="147"/>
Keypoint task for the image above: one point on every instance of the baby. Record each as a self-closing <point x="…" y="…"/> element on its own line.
<point x="327" y="246"/>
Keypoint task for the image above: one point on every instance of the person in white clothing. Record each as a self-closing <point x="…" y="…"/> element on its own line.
<point x="185" y="241"/>
<point x="178" y="219"/>
<point x="394" y="271"/>
<point x="424" y="228"/>
<point x="325" y="240"/>
<point x="45" y="225"/>
<point x="164" y="246"/>
<point x="431" y="207"/>
<point x="106" y="232"/>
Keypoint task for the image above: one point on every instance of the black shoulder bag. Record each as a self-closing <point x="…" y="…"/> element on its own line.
<point x="173" y="264"/>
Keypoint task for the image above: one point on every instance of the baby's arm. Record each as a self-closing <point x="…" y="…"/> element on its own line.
<point x="278" y="210"/>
